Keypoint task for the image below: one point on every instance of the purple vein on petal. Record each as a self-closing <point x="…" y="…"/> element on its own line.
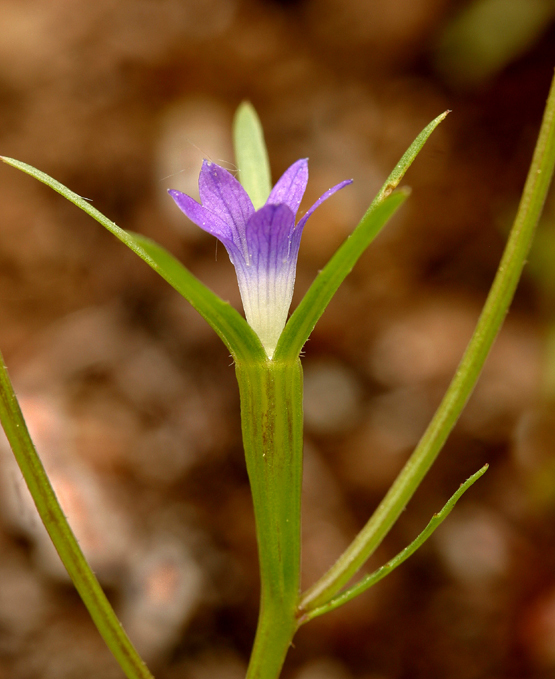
<point x="263" y="245"/>
<point x="290" y="188"/>
<point x="268" y="283"/>
<point x="224" y="196"/>
<point x="202" y="217"/>
<point x="268" y="235"/>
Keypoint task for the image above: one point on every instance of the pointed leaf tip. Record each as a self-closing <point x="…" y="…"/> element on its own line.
<point x="251" y="155"/>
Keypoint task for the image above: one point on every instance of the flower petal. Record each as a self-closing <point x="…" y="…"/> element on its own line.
<point x="269" y="233"/>
<point x="290" y="188"/>
<point x="266" y="283"/>
<point x="323" y="197"/>
<point x="224" y="196"/>
<point x="201" y="216"/>
<point x="263" y="245"/>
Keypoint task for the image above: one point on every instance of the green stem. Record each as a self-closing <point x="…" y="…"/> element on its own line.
<point x="61" y="534"/>
<point x="489" y="324"/>
<point x="272" y="422"/>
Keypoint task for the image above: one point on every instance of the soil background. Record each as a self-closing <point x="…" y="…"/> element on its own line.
<point x="131" y="397"/>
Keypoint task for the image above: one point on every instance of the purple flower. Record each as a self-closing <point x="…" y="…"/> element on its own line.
<point x="262" y="244"/>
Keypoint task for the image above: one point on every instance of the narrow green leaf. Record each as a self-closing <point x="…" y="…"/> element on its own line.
<point x="61" y="534"/>
<point x="251" y="155"/>
<point x="399" y="171"/>
<point x="228" y="323"/>
<point x="491" y="319"/>
<point x="320" y="293"/>
<point x="391" y="565"/>
<point x="232" y="328"/>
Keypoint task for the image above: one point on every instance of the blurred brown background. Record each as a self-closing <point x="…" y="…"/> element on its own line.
<point x="131" y="397"/>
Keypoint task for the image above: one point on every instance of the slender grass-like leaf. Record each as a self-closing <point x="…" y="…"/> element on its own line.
<point x="399" y="171"/>
<point x="232" y="328"/>
<point x="61" y="534"/>
<point x="466" y="376"/>
<point x="251" y="155"/>
<point x="392" y="564"/>
<point x="235" y="332"/>
<point x="319" y="295"/>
